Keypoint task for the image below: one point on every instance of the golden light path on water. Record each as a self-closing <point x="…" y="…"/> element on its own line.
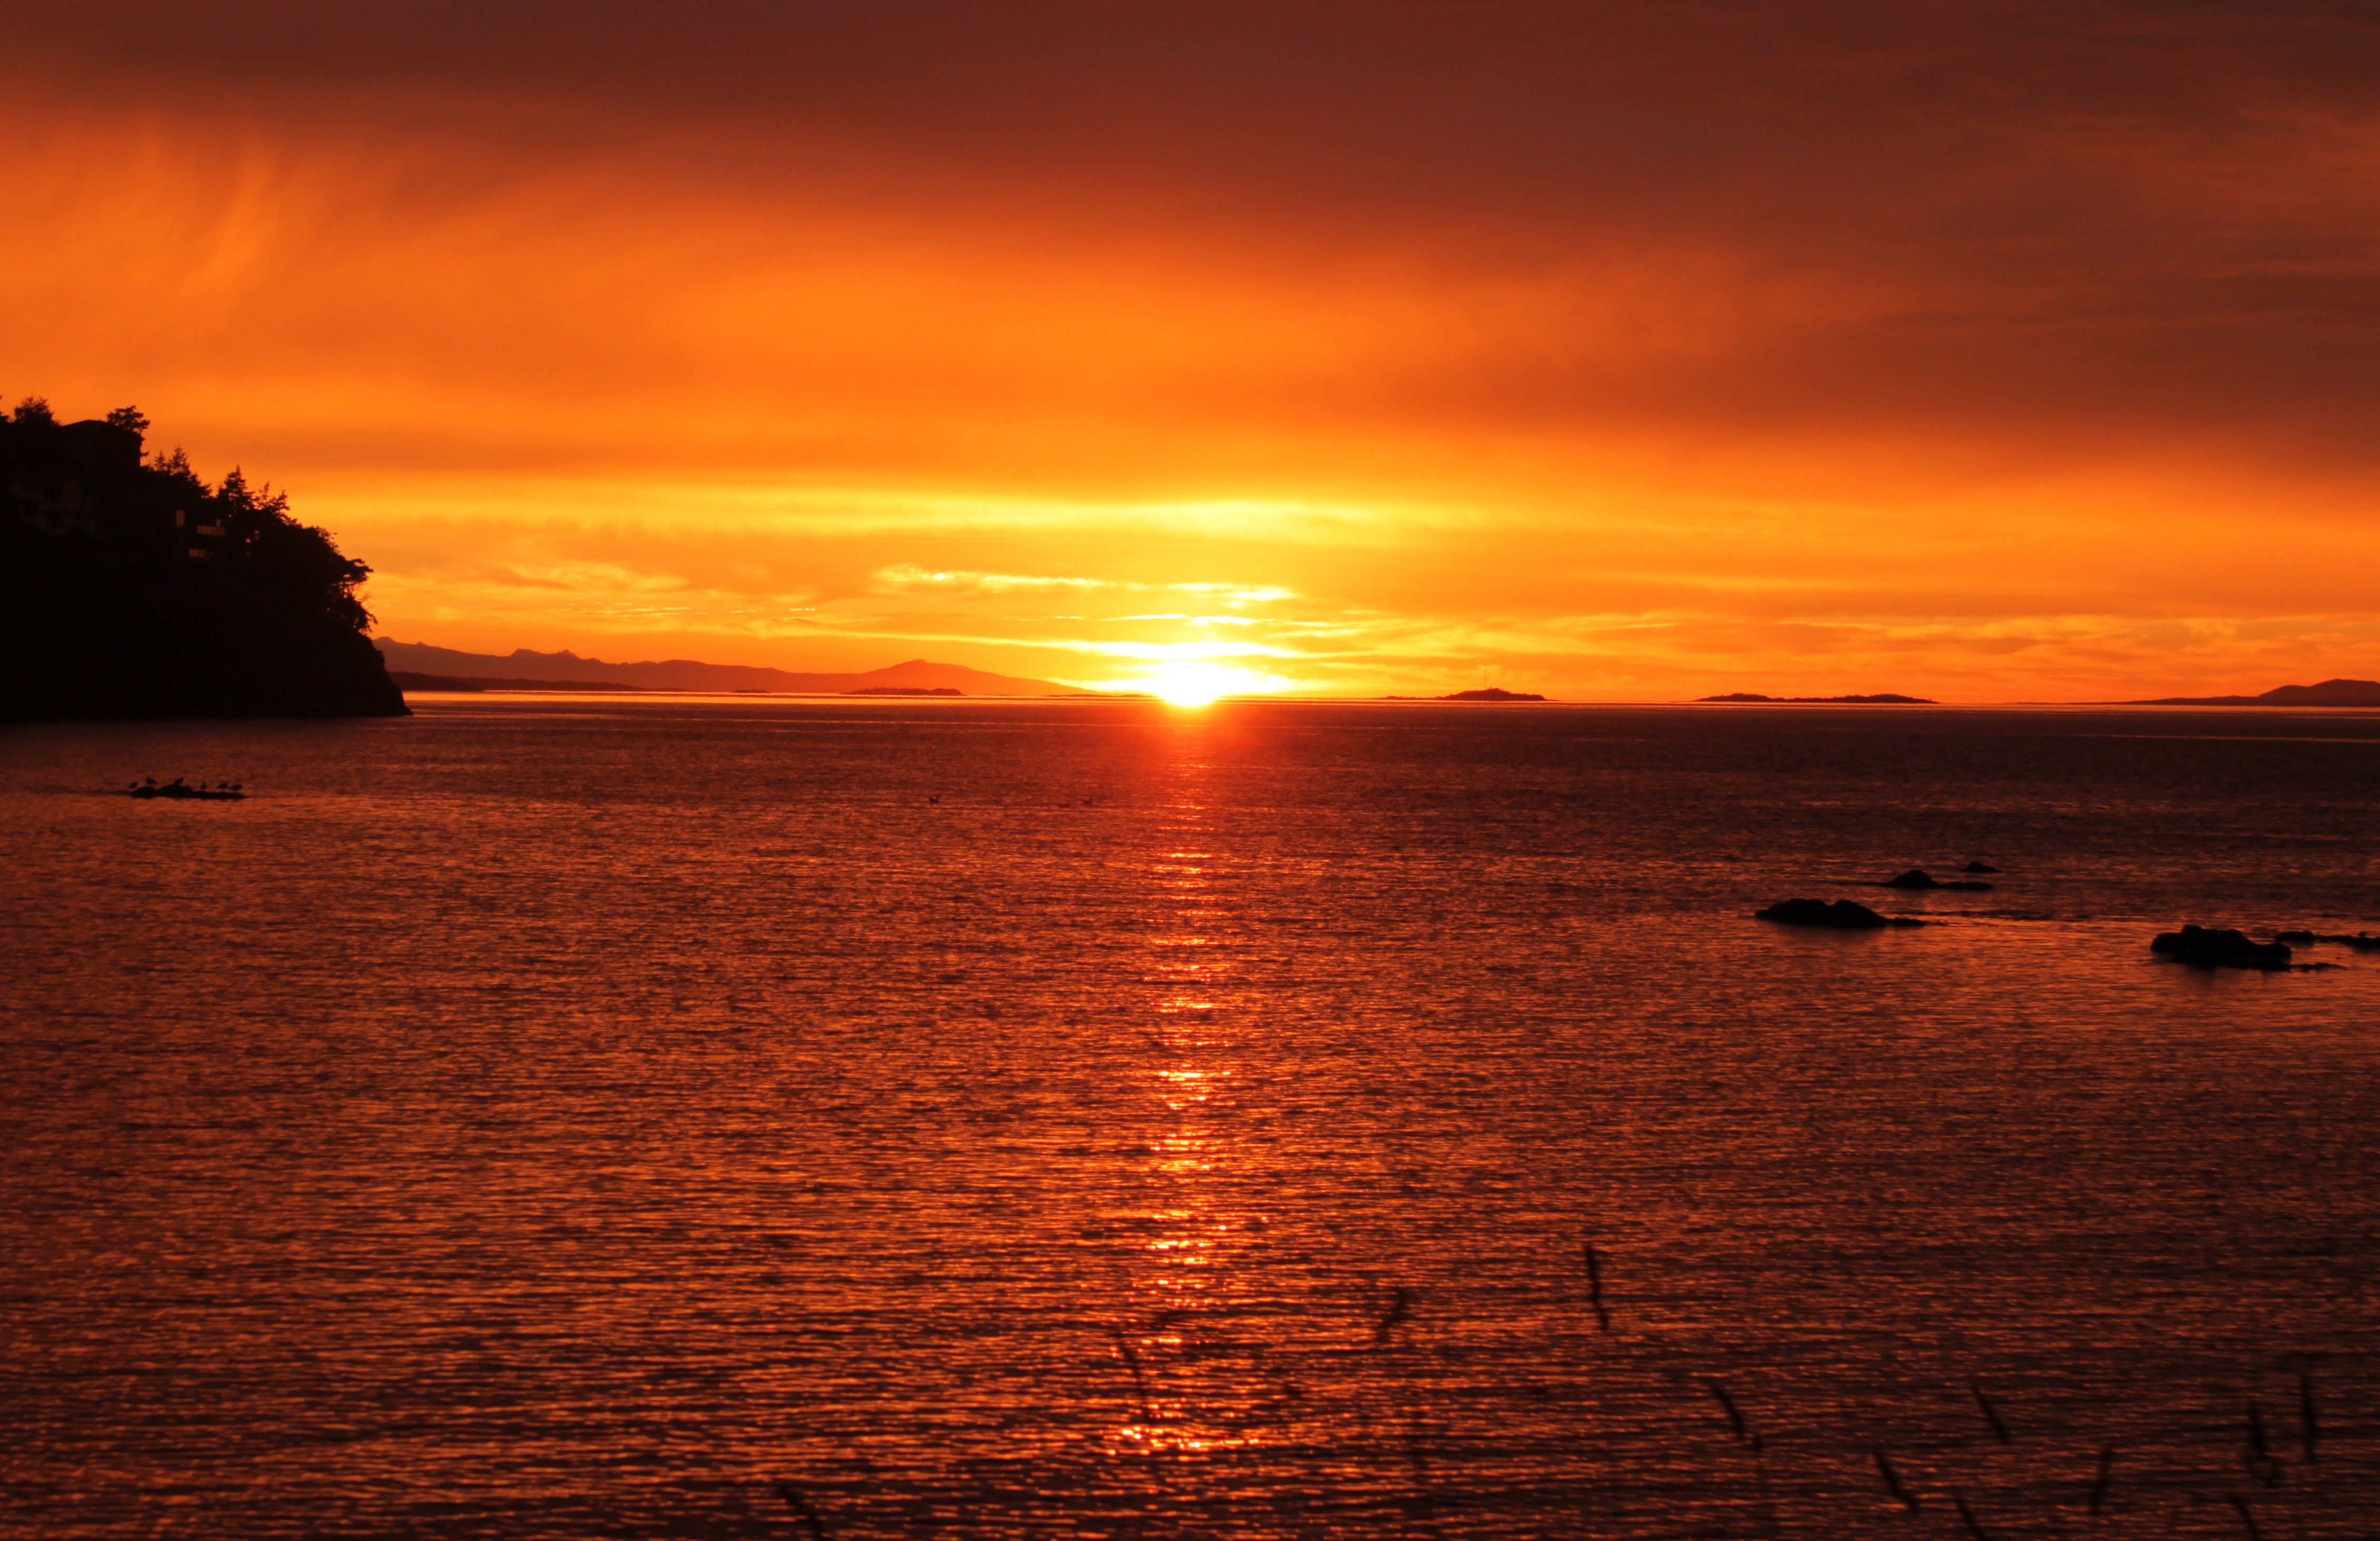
<point x="1180" y="1257"/>
<point x="1182" y="1407"/>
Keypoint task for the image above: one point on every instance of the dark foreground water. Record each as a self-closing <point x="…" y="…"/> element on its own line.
<point x="558" y="1118"/>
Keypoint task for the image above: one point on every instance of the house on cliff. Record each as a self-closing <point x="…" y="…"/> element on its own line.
<point x="87" y="481"/>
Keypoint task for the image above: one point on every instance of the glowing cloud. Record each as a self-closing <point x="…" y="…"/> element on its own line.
<point x="1611" y="351"/>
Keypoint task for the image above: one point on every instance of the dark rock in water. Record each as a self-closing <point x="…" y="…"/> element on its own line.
<point x="1981" y="866"/>
<point x="1841" y="916"/>
<point x="2204" y="947"/>
<point x="1917" y="878"/>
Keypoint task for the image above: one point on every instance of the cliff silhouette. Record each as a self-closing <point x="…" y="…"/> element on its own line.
<point x="131" y="588"/>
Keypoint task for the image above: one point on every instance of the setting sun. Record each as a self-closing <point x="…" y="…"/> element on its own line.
<point x="1190" y="683"/>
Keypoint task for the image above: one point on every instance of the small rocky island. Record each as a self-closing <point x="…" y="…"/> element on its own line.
<point x="1841" y="916"/>
<point x="1491" y="694"/>
<point x="2219" y="947"/>
<point x="131" y="588"/>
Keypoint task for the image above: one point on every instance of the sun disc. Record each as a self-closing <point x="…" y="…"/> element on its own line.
<point x="1194" y="684"/>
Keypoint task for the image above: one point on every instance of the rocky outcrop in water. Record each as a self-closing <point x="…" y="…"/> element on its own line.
<point x="1841" y="916"/>
<point x="2207" y="947"/>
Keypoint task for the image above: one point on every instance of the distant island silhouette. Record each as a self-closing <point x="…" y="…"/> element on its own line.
<point x="131" y="588"/>
<point x="906" y="690"/>
<point x="1490" y="694"/>
<point x="567" y="669"/>
<point x="1822" y="701"/>
<point x="2329" y="693"/>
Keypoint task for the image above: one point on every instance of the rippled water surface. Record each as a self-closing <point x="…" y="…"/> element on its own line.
<point x="580" y="1116"/>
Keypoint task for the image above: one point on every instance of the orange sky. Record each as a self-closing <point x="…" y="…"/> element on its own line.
<point x="1989" y="352"/>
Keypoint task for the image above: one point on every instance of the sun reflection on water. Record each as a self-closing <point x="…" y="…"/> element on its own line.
<point x="1189" y="1397"/>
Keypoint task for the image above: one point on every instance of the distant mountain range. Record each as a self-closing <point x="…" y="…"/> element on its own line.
<point x="524" y="669"/>
<point x="2329" y="693"/>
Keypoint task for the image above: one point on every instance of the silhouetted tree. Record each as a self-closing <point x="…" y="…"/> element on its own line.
<point x="177" y="467"/>
<point x="301" y="557"/>
<point x="160" y="595"/>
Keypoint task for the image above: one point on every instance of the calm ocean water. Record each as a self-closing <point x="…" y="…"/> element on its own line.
<point x="576" y="1117"/>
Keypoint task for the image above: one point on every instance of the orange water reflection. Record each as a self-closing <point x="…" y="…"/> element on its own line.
<point x="1191" y="1392"/>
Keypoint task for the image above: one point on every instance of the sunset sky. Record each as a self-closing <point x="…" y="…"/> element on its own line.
<point x="1992" y="352"/>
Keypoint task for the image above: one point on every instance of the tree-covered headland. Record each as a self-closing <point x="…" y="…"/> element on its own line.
<point x="131" y="589"/>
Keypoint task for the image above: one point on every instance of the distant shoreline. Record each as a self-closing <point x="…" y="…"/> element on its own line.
<point x="526" y="687"/>
<point x="1746" y="697"/>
